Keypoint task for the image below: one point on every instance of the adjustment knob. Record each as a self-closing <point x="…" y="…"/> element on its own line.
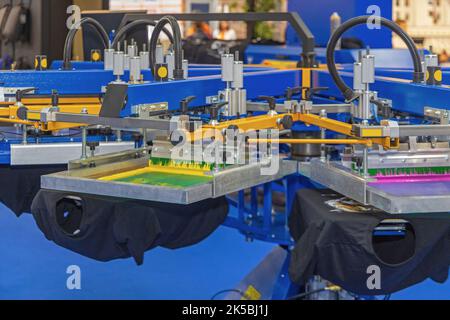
<point x="92" y="145"/>
<point x="22" y="113"/>
<point x="287" y="122"/>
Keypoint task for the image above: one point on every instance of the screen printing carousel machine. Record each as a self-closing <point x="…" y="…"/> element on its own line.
<point x="343" y="178"/>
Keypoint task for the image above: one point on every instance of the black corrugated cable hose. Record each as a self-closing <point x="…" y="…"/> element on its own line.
<point x="348" y="93"/>
<point x="177" y="45"/>
<point x="134" y="25"/>
<point x="71" y="36"/>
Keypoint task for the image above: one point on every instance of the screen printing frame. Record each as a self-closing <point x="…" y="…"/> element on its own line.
<point x="225" y="181"/>
<point x="335" y="176"/>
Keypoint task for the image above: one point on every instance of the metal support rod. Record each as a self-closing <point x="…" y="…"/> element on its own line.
<point x="316" y="108"/>
<point x="217" y="157"/>
<point x="424" y="130"/>
<point x="144" y="139"/>
<point x="83" y="143"/>
<point x="267" y="211"/>
<point x="122" y="123"/>
<point x="366" y="162"/>
<point x="412" y="130"/>
<point x="323" y="136"/>
<point x="269" y="145"/>
<point x="24" y="134"/>
<point x="313" y="141"/>
<point x="118" y="136"/>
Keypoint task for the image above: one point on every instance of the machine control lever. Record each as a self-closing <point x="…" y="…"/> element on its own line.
<point x="215" y="110"/>
<point x="384" y="107"/>
<point x="309" y="92"/>
<point x="21" y="93"/>
<point x="270" y="100"/>
<point x="55" y="98"/>
<point x="290" y="92"/>
<point x="184" y="104"/>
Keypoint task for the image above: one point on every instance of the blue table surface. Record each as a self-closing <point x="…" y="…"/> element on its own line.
<point x="32" y="267"/>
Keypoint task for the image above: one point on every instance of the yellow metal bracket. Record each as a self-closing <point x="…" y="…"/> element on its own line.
<point x="326" y="123"/>
<point x="8" y="111"/>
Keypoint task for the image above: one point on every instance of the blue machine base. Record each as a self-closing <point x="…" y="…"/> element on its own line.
<point x="33" y="268"/>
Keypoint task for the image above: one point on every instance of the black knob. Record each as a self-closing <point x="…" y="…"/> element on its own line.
<point x="287" y="122"/>
<point x="184" y="104"/>
<point x="92" y="145"/>
<point x="270" y="100"/>
<point x="22" y="113"/>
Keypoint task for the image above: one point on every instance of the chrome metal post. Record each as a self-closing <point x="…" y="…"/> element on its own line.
<point x="144" y="139"/>
<point x="83" y="143"/>
<point x="217" y="157"/>
<point x="24" y="134"/>
<point x="323" y="135"/>
<point x="366" y="162"/>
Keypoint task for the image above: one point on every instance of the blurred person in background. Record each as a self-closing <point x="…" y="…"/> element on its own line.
<point x="225" y="32"/>
<point x="199" y="31"/>
<point x="444" y="57"/>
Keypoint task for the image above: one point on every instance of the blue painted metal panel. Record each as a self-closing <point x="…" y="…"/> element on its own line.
<point x="385" y="58"/>
<point x="87" y="65"/>
<point x="66" y="82"/>
<point x="256" y="83"/>
<point x="406" y="96"/>
<point x="78" y="65"/>
<point x="258" y="53"/>
<point x="407" y="74"/>
<point x="316" y="15"/>
<point x="86" y="81"/>
<point x="209" y="71"/>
